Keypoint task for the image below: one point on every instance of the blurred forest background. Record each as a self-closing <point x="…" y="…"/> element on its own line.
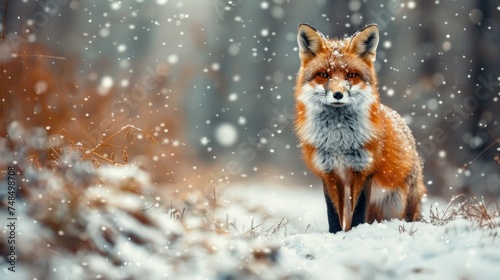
<point x="212" y="82"/>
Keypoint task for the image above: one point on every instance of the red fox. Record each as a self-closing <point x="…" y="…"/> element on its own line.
<point x="362" y="150"/>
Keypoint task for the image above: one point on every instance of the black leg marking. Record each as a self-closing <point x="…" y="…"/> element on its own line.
<point x="333" y="217"/>
<point x="359" y="215"/>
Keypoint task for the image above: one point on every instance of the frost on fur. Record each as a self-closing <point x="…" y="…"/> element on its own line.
<point x="354" y="144"/>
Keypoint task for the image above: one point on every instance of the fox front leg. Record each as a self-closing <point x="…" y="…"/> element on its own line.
<point x="334" y="224"/>
<point x="347" y="208"/>
<point x="360" y="212"/>
<point x="333" y="190"/>
<point x="364" y="184"/>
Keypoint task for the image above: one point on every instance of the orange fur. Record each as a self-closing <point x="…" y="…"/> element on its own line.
<point x="387" y="173"/>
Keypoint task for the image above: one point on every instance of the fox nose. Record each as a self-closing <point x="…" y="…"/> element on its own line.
<point x="338" y="95"/>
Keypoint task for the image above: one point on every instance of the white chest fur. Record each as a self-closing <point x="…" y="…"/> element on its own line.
<point x="339" y="135"/>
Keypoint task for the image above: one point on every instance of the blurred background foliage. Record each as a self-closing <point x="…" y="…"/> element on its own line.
<point x="212" y="81"/>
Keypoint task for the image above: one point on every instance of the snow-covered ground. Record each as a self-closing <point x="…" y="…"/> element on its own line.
<point x="119" y="230"/>
<point x="389" y="250"/>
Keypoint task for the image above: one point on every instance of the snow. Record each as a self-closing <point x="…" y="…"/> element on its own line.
<point x="248" y="231"/>
<point x="267" y="206"/>
<point x="389" y="250"/>
<point x="172" y="59"/>
<point x="105" y="85"/>
<point x="226" y="134"/>
<point x="76" y="221"/>
<point x="233" y="97"/>
<point x="382" y="251"/>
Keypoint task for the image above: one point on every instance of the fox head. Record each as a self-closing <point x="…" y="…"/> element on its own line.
<point x="337" y="72"/>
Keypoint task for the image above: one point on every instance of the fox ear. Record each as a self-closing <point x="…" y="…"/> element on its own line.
<point x="364" y="43"/>
<point x="310" y="41"/>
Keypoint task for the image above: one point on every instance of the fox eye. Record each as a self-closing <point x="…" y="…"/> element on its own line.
<point x="351" y="75"/>
<point x="323" y="75"/>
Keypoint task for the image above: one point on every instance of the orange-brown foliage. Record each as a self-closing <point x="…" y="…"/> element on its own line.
<point x="39" y="88"/>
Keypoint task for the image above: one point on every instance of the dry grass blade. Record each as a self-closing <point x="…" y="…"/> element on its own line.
<point x="442" y="217"/>
<point x="281" y="224"/>
<point x="466" y="165"/>
<point x="308" y="229"/>
<point x="14" y="55"/>
<point x="107" y="142"/>
<point x="471" y="209"/>
<point x="110" y="153"/>
<point x="126" y="128"/>
<point x="478" y="211"/>
<point x="124" y="155"/>
<point x="113" y="158"/>
<point x="402" y="229"/>
<point x="252" y="231"/>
